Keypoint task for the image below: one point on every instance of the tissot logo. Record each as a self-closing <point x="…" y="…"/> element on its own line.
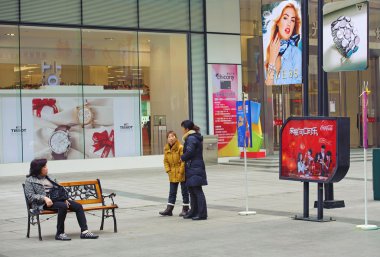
<point x="126" y="126"/>
<point x="18" y="129"/>
<point x="227" y="76"/>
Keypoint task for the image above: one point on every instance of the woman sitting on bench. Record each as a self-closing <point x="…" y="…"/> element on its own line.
<point x="37" y="189"/>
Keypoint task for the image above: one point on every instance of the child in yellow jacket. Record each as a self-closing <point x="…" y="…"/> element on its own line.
<point x="175" y="168"/>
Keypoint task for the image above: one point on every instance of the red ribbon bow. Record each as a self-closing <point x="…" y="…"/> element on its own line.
<point x="104" y="141"/>
<point x="38" y="104"/>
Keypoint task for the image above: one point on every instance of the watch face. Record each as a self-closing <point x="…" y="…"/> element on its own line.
<point x="85" y="114"/>
<point x="59" y="142"/>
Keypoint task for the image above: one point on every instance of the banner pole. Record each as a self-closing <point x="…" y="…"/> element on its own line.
<point x="364" y="96"/>
<point x="246" y="212"/>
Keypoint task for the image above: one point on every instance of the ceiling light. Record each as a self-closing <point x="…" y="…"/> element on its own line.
<point x="10" y="34"/>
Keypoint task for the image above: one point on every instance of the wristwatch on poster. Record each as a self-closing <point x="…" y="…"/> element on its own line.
<point x="60" y="143"/>
<point x="85" y="115"/>
<point x="345" y="36"/>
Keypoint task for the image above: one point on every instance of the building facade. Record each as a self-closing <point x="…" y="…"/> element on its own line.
<point x="93" y="79"/>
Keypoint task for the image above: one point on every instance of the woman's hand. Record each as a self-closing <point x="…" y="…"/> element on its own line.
<point x="48" y="201"/>
<point x="67" y="204"/>
<point x="274" y="49"/>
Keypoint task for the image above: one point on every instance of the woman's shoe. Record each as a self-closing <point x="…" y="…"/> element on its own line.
<point x="88" y="235"/>
<point x="168" y="211"/>
<point x="199" y="218"/>
<point x="62" y="237"/>
<point x="189" y="215"/>
<point x="185" y="210"/>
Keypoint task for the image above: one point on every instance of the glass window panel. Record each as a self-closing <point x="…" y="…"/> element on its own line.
<point x="10" y="101"/>
<point x="198" y="81"/>
<point x="51" y="11"/>
<point x="196" y="11"/>
<point x="51" y="78"/>
<point x="8" y="10"/>
<point x="164" y="14"/>
<point x="164" y="58"/>
<point x="112" y="89"/>
<point x="114" y="13"/>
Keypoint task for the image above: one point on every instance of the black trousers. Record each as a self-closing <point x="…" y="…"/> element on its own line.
<point x="173" y="193"/>
<point x="61" y="207"/>
<point x="198" y="202"/>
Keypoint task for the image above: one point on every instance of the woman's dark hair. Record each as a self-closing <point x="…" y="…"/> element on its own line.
<point x="188" y="124"/>
<point x="36" y="166"/>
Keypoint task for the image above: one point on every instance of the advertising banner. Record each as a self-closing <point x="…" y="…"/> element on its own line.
<point x="225" y="95"/>
<point x="314" y="149"/>
<point x="249" y="132"/>
<point x="60" y="128"/>
<point x="345" y="36"/>
<point x="282" y="48"/>
<point x="244" y="124"/>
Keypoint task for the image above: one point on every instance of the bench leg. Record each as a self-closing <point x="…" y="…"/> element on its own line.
<point x="102" y="224"/>
<point x="114" y="221"/>
<point x="39" y="227"/>
<point x="28" y="231"/>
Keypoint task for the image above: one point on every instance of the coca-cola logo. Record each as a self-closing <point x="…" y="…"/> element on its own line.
<point x="326" y="128"/>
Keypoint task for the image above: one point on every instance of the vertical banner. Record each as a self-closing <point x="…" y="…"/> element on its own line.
<point x="224" y="97"/>
<point x="345" y="36"/>
<point x="249" y="130"/>
<point x="282" y="48"/>
<point x="244" y="124"/>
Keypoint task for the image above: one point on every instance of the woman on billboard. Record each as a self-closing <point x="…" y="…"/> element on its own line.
<point x="281" y="36"/>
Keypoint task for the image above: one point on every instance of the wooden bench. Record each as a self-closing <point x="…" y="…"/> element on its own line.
<point x="88" y="193"/>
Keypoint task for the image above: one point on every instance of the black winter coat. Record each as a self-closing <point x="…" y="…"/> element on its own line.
<point x="195" y="171"/>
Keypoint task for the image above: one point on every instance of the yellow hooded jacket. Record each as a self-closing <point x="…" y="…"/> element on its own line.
<point x="173" y="164"/>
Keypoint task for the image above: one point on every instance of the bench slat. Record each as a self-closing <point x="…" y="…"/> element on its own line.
<point x="89" y="208"/>
<point x="78" y="183"/>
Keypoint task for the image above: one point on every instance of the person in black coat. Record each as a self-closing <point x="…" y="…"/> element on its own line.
<point x="195" y="171"/>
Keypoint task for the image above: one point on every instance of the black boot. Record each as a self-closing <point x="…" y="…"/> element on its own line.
<point x="189" y="215"/>
<point x="185" y="209"/>
<point x="168" y="211"/>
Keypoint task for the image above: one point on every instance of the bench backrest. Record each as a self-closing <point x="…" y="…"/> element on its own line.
<point x="84" y="192"/>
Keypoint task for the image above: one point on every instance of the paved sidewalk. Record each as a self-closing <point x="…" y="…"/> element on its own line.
<point x="141" y="193"/>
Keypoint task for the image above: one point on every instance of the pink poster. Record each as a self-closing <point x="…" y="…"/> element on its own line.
<point x="225" y="95"/>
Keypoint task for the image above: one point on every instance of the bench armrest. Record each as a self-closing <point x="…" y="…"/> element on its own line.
<point x="111" y="196"/>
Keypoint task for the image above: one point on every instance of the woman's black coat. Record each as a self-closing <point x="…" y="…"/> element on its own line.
<point x="192" y="155"/>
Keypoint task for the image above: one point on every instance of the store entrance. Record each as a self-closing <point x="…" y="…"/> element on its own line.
<point x="287" y="102"/>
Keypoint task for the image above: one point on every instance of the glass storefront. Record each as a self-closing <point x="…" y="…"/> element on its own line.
<point x="281" y="102"/>
<point x="97" y="83"/>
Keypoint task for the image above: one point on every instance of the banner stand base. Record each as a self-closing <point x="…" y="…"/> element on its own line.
<point x="314" y="219"/>
<point x="331" y="204"/>
<point x="246" y="213"/>
<point x="367" y="227"/>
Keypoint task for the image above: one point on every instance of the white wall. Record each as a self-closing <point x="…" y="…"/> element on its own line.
<point x="223" y="48"/>
<point x="223" y="16"/>
<point x="88" y="165"/>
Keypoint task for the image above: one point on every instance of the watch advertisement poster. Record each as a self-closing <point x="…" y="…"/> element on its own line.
<point x="345" y="36"/>
<point x="282" y="48"/>
<point x="225" y="95"/>
<point x="60" y="128"/>
<point x="311" y="149"/>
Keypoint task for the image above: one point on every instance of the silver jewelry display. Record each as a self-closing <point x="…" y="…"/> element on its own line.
<point x="345" y="36"/>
